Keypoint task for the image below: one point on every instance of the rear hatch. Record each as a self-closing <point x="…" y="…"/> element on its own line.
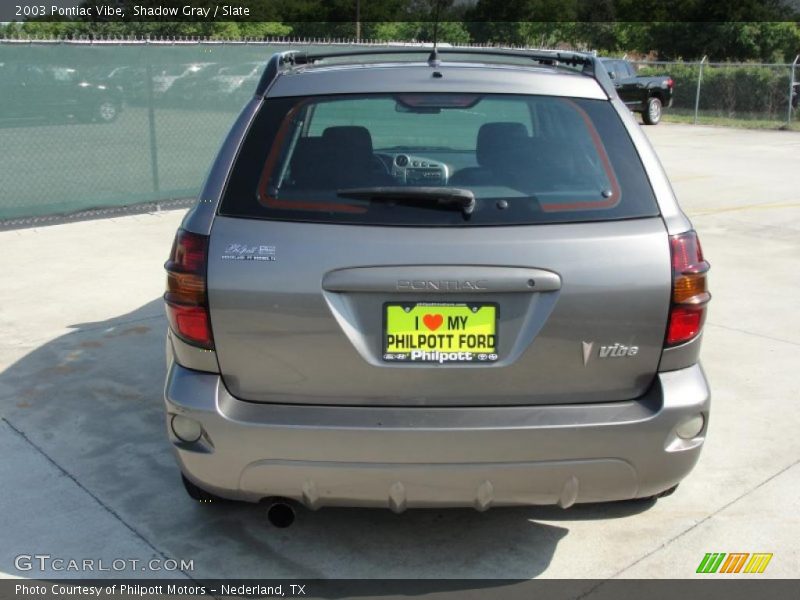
<point x="342" y="271"/>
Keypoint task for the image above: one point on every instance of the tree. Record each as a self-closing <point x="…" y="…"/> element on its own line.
<point x="522" y="22"/>
<point x="764" y="41"/>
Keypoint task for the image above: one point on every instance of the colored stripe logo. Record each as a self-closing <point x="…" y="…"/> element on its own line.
<point x="734" y="562"/>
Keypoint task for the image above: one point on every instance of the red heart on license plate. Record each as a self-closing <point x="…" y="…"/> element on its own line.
<point x="433" y="322"/>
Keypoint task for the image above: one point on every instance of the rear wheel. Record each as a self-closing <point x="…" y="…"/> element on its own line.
<point x="198" y="493"/>
<point x="107" y="112"/>
<point x="652" y="112"/>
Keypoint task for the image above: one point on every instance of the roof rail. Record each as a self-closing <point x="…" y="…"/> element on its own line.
<point x="590" y="64"/>
<point x="276" y="64"/>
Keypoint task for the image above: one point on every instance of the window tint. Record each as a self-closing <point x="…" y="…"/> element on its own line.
<point x="526" y="159"/>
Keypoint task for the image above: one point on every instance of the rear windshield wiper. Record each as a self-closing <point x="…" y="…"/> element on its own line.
<point x="445" y="197"/>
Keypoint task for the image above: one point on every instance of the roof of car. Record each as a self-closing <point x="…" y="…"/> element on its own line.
<point x="445" y="76"/>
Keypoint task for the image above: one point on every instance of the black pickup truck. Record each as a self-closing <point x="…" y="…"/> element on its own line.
<point x="646" y="95"/>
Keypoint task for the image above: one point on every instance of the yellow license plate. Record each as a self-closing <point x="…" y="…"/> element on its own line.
<point x="440" y="332"/>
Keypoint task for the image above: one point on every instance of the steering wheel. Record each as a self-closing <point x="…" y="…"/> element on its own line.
<point x="377" y="165"/>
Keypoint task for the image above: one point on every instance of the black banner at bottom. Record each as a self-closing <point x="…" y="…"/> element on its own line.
<point x="387" y="589"/>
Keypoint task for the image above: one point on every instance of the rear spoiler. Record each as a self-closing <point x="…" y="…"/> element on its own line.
<point x="589" y="64"/>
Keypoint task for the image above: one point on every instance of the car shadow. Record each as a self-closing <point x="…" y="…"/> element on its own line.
<point x="92" y="401"/>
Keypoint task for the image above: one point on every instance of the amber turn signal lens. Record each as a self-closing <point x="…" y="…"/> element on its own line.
<point x="185" y="288"/>
<point x="690" y="289"/>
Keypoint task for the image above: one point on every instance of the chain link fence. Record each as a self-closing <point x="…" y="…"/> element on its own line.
<point x="85" y="125"/>
<point x="720" y="92"/>
<point x="102" y="124"/>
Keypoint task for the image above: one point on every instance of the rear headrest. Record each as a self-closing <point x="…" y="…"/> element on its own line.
<point x="351" y="139"/>
<point x="498" y="142"/>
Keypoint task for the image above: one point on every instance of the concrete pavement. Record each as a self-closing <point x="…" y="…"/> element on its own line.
<point x="87" y="470"/>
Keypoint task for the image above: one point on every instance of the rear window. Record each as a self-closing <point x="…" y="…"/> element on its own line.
<point x="398" y="159"/>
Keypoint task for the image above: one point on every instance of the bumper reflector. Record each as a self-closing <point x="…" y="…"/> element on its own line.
<point x="186" y="429"/>
<point x="691" y="427"/>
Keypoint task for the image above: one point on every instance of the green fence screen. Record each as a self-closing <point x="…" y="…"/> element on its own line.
<point x="84" y="126"/>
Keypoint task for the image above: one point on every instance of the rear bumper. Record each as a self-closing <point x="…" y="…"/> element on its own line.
<point x="427" y="457"/>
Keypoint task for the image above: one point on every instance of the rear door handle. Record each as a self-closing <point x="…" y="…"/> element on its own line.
<point x="441" y="279"/>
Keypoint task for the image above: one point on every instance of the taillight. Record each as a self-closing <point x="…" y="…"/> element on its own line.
<point x="186" y="297"/>
<point x="689" y="289"/>
<point x="670" y="83"/>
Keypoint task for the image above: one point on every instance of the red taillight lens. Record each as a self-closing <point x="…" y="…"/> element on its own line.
<point x="670" y="83"/>
<point x="685" y="323"/>
<point x="189" y="252"/>
<point x="191" y="324"/>
<point x="689" y="289"/>
<point x="687" y="255"/>
<point x="186" y="297"/>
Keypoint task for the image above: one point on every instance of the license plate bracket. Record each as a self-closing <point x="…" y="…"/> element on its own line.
<point x="440" y="332"/>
